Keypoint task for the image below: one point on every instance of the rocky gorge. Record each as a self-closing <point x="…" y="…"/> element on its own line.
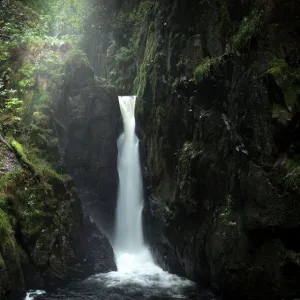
<point x="217" y="88"/>
<point x="217" y="85"/>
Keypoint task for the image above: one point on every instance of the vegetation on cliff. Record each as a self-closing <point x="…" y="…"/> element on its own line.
<point x="218" y="107"/>
<point x="218" y="112"/>
<point x="40" y="214"/>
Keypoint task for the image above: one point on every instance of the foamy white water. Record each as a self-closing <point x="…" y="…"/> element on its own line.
<point x="133" y="259"/>
<point x="129" y="234"/>
<point x="31" y="294"/>
<point x="137" y="272"/>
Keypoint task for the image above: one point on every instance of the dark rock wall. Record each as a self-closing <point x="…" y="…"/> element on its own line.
<point x="86" y="117"/>
<point x="44" y="247"/>
<point x="217" y="85"/>
<point x="47" y="239"/>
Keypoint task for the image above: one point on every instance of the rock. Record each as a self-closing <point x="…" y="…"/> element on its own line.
<point x="221" y="191"/>
<point x="5" y="284"/>
<point x="88" y="120"/>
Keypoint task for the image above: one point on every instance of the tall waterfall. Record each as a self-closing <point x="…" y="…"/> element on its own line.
<point x="136" y="267"/>
<point x="129" y="233"/>
<point x="137" y="277"/>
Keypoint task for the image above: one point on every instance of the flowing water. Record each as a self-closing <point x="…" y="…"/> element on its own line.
<point x="137" y="276"/>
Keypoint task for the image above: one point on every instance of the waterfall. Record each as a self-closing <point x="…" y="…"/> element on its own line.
<point x="129" y="233"/>
<point x="135" y="264"/>
<point x="137" y="277"/>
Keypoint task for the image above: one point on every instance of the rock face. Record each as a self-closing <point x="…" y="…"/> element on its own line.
<point x="40" y="247"/>
<point x="46" y="239"/>
<point x="86" y="116"/>
<point x="218" y="115"/>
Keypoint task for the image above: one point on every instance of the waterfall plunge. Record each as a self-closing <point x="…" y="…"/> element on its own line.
<point x="136" y="267"/>
<point x="130" y="251"/>
<point x="129" y="233"/>
<point x="137" y="273"/>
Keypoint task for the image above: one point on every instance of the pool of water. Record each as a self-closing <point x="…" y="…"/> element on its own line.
<point x="137" y="278"/>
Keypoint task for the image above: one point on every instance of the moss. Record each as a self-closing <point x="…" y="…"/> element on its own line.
<point x="6" y="232"/>
<point x="28" y="198"/>
<point x="225" y="214"/>
<point x="9" y="181"/>
<point x="25" y="76"/>
<point x="280" y="113"/>
<point x="76" y="58"/>
<point x="250" y="27"/>
<point x="292" y="178"/>
<point x="40" y="119"/>
<point x="2" y="264"/>
<point x="278" y="66"/>
<point x="288" y="80"/>
<point x="186" y="155"/>
<point x="38" y="166"/>
<point x="131" y="20"/>
<point x="203" y="70"/>
<point x="124" y="55"/>
<point x="144" y="69"/>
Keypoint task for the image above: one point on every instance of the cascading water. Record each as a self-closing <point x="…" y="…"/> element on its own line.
<point x="134" y="260"/>
<point x="129" y="233"/>
<point x="137" y="277"/>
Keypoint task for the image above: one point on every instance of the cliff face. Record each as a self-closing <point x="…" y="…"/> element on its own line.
<point x="51" y="109"/>
<point x="217" y="85"/>
<point x="86" y="118"/>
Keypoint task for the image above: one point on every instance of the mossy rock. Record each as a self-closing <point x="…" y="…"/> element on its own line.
<point x="77" y="69"/>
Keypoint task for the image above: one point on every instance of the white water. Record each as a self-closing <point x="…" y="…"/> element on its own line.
<point x="137" y="272"/>
<point x="31" y="294"/>
<point x="129" y="234"/>
<point x="133" y="259"/>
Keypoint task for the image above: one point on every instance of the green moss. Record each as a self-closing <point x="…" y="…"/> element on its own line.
<point x="38" y="166"/>
<point x="10" y="180"/>
<point x="40" y="119"/>
<point x="292" y="179"/>
<point x="203" y="70"/>
<point x="144" y="69"/>
<point x="6" y="232"/>
<point x="186" y="155"/>
<point x="278" y="66"/>
<point x="288" y="80"/>
<point x="124" y="55"/>
<point x="131" y="20"/>
<point x="25" y="76"/>
<point x="77" y="57"/>
<point x="249" y="28"/>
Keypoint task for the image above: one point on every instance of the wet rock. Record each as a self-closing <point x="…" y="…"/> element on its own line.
<point x="88" y="119"/>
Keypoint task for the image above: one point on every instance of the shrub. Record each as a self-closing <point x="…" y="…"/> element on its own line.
<point x="203" y="70"/>
<point x="249" y="27"/>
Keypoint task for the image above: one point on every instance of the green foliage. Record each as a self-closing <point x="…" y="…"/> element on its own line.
<point x="23" y="196"/>
<point x="249" y="28"/>
<point x="292" y="178"/>
<point x="203" y="70"/>
<point x="287" y="78"/>
<point x="76" y="58"/>
<point x="277" y="67"/>
<point x="130" y="20"/>
<point x="6" y="232"/>
<point x="36" y="165"/>
<point x="14" y="104"/>
<point x="124" y="55"/>
<point x="31" y="57"/>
